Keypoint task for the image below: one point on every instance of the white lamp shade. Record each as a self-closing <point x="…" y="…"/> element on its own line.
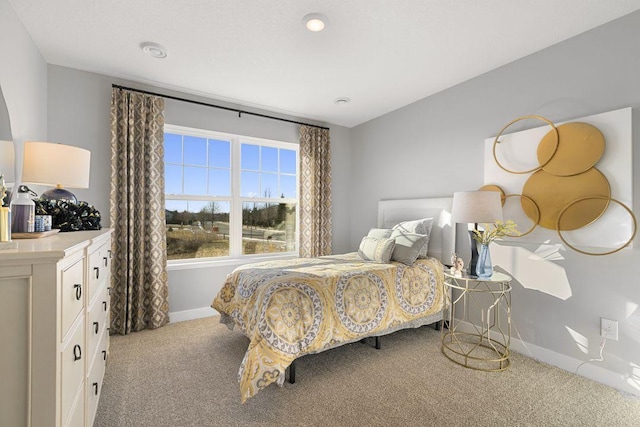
<point x="476" y="207"/>
<point x="56" y="164"/>
<point x="7" y="162"/>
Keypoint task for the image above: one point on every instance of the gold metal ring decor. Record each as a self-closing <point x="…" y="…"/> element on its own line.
<point x="554" y="130"/>
<point x="567" y="156"/>
<point x="607" y="199"/>
<point x="533" y="207"/>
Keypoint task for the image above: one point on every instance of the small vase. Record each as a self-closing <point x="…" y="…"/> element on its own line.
<point x="484" y="268"/>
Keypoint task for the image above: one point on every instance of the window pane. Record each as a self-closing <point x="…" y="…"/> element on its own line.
<point x="250" y="184"/>
<point x="288" y="186"/>
<point x="197" y="229"/>
<point x="269" y="185"/>
<point x="172" y="179"/>
<point x="219" y="153"/>
<point x="268" y="228"/>
<point x="204" y="167"/>
<point x="219" y="182"/>
<point x="249" y="156"/>
<point x="287" y="161"/>
<point x="269" y="159"/>
<point x="172" y="148"/>
<point x="195" y="151"/>
<point x="175" y="206"/>
<point x="195" y="180"/>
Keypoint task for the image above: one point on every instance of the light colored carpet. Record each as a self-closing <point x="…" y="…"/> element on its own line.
<point x="184" y="374"/>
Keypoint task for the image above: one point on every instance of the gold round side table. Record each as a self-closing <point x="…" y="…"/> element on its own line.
<point x="478" y="315"/>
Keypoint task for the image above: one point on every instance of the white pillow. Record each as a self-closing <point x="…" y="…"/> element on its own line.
<point x="418" y="226"/>
<point x="408" y="246"/>
<point x="378" y="250"/>
<point x="380" y="233"/>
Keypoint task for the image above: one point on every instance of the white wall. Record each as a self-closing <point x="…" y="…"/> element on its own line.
<point x="79" y="105"/>
<point x="434" y="147"/>
<point x="23" y="78"/>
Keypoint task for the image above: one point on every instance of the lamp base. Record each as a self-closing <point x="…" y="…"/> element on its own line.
<point x="59" y="194"/>
<point x="471" y="271"/>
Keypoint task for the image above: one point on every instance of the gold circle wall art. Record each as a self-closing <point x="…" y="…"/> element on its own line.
<point x="574" y="204"/>
<point x="581" y="146"/>
<point x="530" y="208"/>
<point x="565" y="191"/>
<point x="552" y="148"/>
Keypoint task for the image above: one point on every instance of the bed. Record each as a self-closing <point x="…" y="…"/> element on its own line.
<point x="290" y="308"/>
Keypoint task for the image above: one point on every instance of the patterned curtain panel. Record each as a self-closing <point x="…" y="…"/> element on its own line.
<point x="139" y="290"/>
<point x="315" y="192"/>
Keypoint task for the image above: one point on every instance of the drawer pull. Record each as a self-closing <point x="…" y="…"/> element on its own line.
<point x="105" y="261"/>
<point x="78" y="288"/>
<point x="95" y="327"/>
<point x="109" y="251"/>
<point x="109" y="290"/>
<point x="104" y="305"/>
<point x="77" y="352"/>
<point x="104" y="355"/>
<point x="97" y="270"/>
<point x="95" y="388"/>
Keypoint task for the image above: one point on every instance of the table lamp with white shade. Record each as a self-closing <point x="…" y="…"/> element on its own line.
<point x="473" y="207"/>
<point x="64" y="166"/>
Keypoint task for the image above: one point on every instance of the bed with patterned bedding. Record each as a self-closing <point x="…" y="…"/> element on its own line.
<point x="289" y="308"/>
<point x="301" y="306"/>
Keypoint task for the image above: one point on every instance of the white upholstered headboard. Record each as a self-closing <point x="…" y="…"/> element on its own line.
<point x="442" y="242"/>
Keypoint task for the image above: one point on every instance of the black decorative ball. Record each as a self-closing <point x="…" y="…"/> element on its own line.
<point x="68" y="216"/>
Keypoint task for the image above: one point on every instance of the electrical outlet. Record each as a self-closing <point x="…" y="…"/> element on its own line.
<point x="609" y="328"/>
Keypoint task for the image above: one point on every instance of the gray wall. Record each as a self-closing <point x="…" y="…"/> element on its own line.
<point x="434" y="147"/>
<point x="79" y="104"/>
<point x="23" y="78"/>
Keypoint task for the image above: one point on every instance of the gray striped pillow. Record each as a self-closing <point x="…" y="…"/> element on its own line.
<point x="378" y="250"/>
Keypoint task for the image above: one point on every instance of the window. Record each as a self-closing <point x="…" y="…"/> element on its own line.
<point x="229" y="195"/>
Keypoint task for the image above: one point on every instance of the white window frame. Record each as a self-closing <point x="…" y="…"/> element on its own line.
<point x="235" y="256"/>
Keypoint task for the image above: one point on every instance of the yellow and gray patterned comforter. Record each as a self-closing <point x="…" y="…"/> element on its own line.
<point x="307" y="305"/>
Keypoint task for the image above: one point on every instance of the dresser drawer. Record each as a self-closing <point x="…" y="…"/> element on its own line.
<point x="94" y="380"/>
<point x="97" y="321"/>
<point x="99" y="268"/>
<point x="76" y="418"/>
<point x="73" y="289"/>
<point x="72" y="369"/>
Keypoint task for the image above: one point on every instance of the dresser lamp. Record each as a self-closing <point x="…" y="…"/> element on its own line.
<point x="473" y="207"/>
<point x="61" y="165"/>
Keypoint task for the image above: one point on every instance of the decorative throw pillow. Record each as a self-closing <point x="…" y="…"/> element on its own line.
<point x="408" y="246"/>
<point x="379" y="233"/>
<point x="418" y="226"/>
<point x="378" y="250"/>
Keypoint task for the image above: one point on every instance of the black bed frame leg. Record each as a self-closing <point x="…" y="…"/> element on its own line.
<point x="377" y="343"/>
<point x="292" y="372"/>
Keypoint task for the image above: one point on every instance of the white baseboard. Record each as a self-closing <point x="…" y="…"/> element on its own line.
<point x="567" y="363"/>
<point x="196" y="313"/>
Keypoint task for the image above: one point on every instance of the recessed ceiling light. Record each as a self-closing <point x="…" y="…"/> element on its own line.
<point x="154" y="49"/>
<point x="342" y="100"/>
<point x="315" y="22"/>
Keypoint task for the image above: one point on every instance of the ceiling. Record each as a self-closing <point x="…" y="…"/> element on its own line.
<point x="382" y="54"/>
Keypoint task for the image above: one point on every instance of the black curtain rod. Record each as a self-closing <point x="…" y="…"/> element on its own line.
<point x="240" y="112"/>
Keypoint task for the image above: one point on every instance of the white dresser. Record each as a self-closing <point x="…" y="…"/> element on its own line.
<point x="54" y="320"/>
